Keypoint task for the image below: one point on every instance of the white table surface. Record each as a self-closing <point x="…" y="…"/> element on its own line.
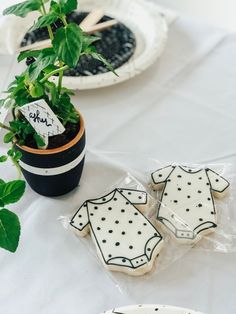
<point x="181" y="109"/>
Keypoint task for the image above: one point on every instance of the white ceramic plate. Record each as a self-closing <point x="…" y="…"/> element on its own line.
<point x="142" y="17"/>
<point x="151" y="309"/>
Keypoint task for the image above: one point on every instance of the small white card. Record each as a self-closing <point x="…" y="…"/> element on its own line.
<point x="42" y="119"/>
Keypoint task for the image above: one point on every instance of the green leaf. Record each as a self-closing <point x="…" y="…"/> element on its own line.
<point x="10" y="152"/>
<point x="39" y="141"/>
<point x="23" y="8"/>
<point x="8" y="137"/>
<point x="99" y="57"/>
<point x="68" y="44"/>
<point x="18" y="156"/>
<point x="67" y="6"/>
<point x="11" y="192"/>
<point x="45" y="20"/>
<point x="45" y="58"/>
<point x="25" y="54"/>
<point x="9" y="230"/>
<point x="88" y="40"/>
<point x="3" y="158"/>
<point x="52" y="88"/>
<point x="36" y="89"/>
<point x="2" y="101"/>
<point x="1" y="181"/>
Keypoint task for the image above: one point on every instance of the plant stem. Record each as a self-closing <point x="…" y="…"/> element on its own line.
<point x="3" y="126"/>
<point x="64" y="21"/>
<point x="48" y="27"/>
<point x="60" y="77"/>
<point x="46" y="77"/>
<point x="16" y="164"/>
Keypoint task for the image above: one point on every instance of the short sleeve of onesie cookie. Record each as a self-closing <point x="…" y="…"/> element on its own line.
<point x="81" y="218"/>
<point x="134" y="196"/>
<point x="218" y="183"/>
<point x="161" y="175"/>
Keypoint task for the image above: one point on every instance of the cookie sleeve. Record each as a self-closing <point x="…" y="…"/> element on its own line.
<point x="161" y="175"/>
<point x="80" y="221"/>
<point x="219" y="185"/>
<point x="134" y="196"/>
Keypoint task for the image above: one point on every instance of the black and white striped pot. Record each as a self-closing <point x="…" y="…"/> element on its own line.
<point x="54" y="172"/>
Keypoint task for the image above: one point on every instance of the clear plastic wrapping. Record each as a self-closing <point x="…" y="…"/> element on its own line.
<point x="106" y="173"/>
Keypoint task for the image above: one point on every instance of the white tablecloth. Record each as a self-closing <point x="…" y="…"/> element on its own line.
<point x="181" y="109"/>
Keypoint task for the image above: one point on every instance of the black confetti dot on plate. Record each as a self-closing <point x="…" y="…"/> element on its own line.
<point x="117" y="243"/>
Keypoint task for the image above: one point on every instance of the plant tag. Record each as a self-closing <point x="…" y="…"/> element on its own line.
<point x="42" y="119"/>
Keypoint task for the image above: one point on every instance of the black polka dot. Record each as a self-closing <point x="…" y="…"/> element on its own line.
<point x="175" y="201"/>
<point x="200" y="219"/>
<point x="109" y="208"/>
<point x="217" y="180"/>
<point x="140" y="197"/>
<point x="129" y="193"/>
<point x="155" y="234"/>
<point x="123" y="232"/>
<point x="81" y="224"/>
<point x="160" y="175"/>
<point x="95" y="207"/>
<point x="179" y="189"/>
<point x="212" y="213"/>
<point x="208" y="183"/>
<point x="110" y="255"/>
<point x="103" y="219"/>
<point x="117" y="221"/>
<point x="190" y="170"/>
<point x="80" y="216"/>
<point x="131" y="247"/>
<point x="209" y="199"/>
<point x="144" y="224"/>
<point x="104" y="199"/>
<point x="179" y="176"/>
<point x="199" y="205"/>
<point x="110" y="231"/>
<point x="149" y="249"/>
<point x="187" y="209"/>
<point x="91" y="214"/>
<point x="165" y="194"/>
<point x="122" y="210"/>
<point x="98" y="228"/>
<point x="199" y="191"/>
<point x="135" y="214"/>
<point x="117" y="243"/>
<point x="127" y="203"/>
<point x="188" y="196"/>
<point x="130" y="221"/>
<point x="115" y="199"/>
<point x="189" y="183"/>
<point x="104" y="241"/>
<point x="200" y="178"/>
<point x="123" y="260"/>
<point x="139" y="232"/>
<point x="169" y="180"/>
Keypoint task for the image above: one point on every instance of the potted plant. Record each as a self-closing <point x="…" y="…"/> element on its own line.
<point x="56" y="168"/>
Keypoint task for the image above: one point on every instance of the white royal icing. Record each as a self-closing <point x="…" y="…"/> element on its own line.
<point x="187" y="206"/>
<point x="125" y="239"/>
<point x="151" y="309"/>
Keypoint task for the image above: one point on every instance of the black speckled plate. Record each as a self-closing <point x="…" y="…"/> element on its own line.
<point x="146" y="30"/>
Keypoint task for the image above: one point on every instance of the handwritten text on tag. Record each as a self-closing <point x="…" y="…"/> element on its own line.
<point x="42" y="119"/>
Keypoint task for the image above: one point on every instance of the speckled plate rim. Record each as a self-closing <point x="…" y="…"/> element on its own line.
<point x="156" y="307"/>
<point x="139" y="62"/>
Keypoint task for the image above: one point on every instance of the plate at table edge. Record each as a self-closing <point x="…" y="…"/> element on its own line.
<point x="145" y="21"/>
<point x="165" y="309"/>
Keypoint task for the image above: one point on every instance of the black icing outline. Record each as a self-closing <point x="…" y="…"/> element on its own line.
<point x="94" y="234"/>
<point x="213" y="225"/>
<point x="161" y="182"/>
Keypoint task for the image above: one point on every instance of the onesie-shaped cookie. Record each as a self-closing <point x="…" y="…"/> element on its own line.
<point x="187" y="206"/>
<point x="151" y="309"/>
<point x="125" y="240"/>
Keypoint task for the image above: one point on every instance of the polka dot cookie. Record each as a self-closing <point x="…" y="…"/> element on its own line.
<point x="125" y="240"/>
<point x="187" y="207"/>
<point x="151" y="309"/>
